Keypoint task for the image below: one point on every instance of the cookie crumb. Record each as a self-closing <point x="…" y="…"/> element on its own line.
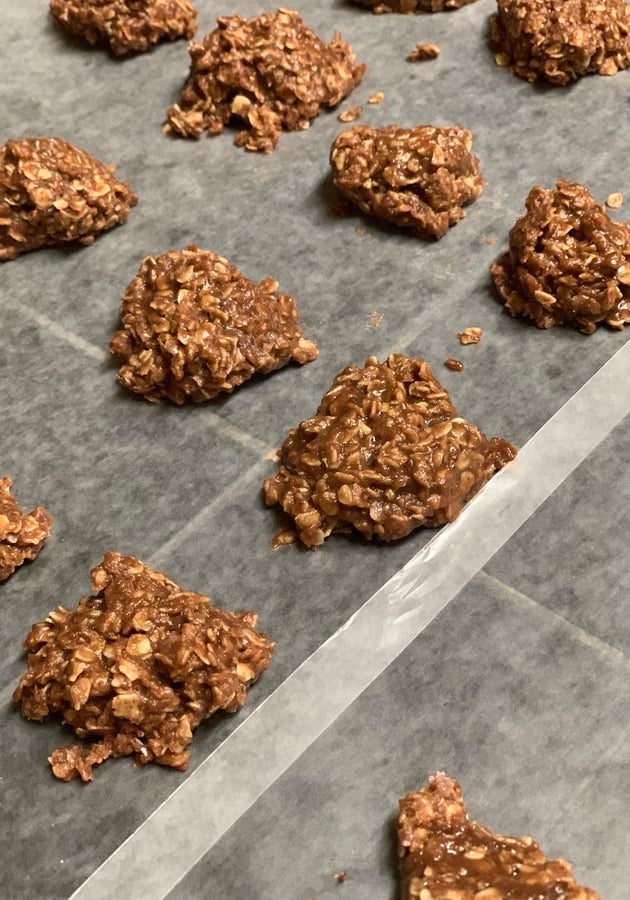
<point x="423" y="52"/>
<point x="376" y="98"/>
<point x="350" y="115"/>
<point x="614" y="201"/>
<point x="340" y="875"/>
<point x="470" y="335"/>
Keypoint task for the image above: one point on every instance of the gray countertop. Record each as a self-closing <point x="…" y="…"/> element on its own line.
<point x="497" y="649"/>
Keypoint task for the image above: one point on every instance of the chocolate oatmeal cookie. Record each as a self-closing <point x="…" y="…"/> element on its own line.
<point x="384" y="454"/>
<point x="568" y="262"/>
<point x="22" y="535"/>
<point x="418" y="178"/>
<point x="53" y="193"/>
<point x="267" y="74"/>
<point x="126" y="26"/>
<point x="136" y="667"/>
<point x="560" y="40"/>
<point x="195" y="327"/>
<point x="445" y="855"/>
<point x="413" y="6"/>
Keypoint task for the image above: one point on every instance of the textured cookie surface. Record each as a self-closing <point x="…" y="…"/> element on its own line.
<point x="568" y="262"/>
<point x="418" y="178"/>
<point x="267" y="74"/>
<point x="136" y="667"/>
<point x="384" y="454"/>
<point x="51" y="192"/>
<point x="445" y="856"/>
<point x="126" y="26"/>
<point x="195" y="327"/>
<point x="560" y="40"/>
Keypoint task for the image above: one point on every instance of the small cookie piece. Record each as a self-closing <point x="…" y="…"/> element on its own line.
<point x="22" y="535"/>
<point x="560" y="40"/>
<point x="471" y="335"/>
<point x="137" y="667"/>
<point x="413" y="6"/>
<point x="416" y="178"/>
<point x="53" y="193"/>
<point x="568" y="262"/>
<point x="268" y="73"/>
<point x="124" y="26"/>
<point x="442" y="854"/>
<point x="385" y="453"/>
<point x="194" y="327"/>
<point x="423" y="52"/>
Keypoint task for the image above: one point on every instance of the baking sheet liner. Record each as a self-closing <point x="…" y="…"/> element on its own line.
<point x="181" y="487"/>
<point x="155" y="858"/>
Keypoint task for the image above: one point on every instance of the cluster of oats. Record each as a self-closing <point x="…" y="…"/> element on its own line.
<point x="418" y="178"/>
<point x="267" y="74"/>
<point x="445" y="856"/>
<point x="22" y="535"/>
<point x="568" y="262"/>
<point x="384" y="454"/>
<point x="560" y="40"/>
<point x="136" y="667"/>
<point x="53" y="193"/>
<point x="124" y="26"/>
<point x="195" y="327"/>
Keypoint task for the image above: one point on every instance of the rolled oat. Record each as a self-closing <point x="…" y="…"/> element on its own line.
<point x="423" y="52"/>
<point x="443" y="855"/>
<point x="195" y="327"/>
<point x="384" y="454"/>
<point x="126" y="26"/>
<point x="136" y="667"/>
<point x="53" y="193"/>
<point x="418" y="178"/>
<point x="470" y="335"/>
<point x="268" y="73"/>
<point x="568" y="262"/>
<point x="22" y="535"/>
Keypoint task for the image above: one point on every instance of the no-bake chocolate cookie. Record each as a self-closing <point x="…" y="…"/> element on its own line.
<point x="136" y="667"/>
<point x="195" y="327"/>
<point x="412" y="6"/>
<point x="53" y="193"/>
<point x="385" y="453"/>
<point x="568" y="262"/>
<point x="266" y="74"/>
<point x="418" y="178"/>
<point x="126" y="26"/>
<point x="560" y="40"/>
<point x="446" y="856"/>
<point x="22" y="535"/>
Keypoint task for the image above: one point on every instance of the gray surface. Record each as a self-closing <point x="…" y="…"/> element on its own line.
<point x="180" y="487"/>
<point x="499" y="693"/>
